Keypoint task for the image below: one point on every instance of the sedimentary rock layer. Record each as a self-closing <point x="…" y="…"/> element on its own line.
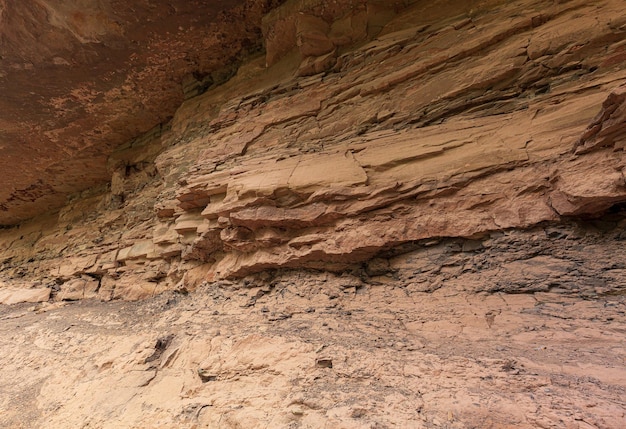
<point x="447" y="122"/>
<point x="356" y="213"/>
<point x="520" y="329"/>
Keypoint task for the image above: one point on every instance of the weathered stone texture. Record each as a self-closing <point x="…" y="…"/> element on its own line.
<point x="519" y="329"/>
<point x="80" y="78"/>
<point x="400" y="214"/>
<point x="449" y="123"/>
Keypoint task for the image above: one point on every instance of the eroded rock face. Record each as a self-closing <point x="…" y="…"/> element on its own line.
<point x="436" y="128"/>
<point x="80" y="78"/>
<point x="426" y="122"/>
<point x="521" y="329"/>
<point x="356" y="213"/>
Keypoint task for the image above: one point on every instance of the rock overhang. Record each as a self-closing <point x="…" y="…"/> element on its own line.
<point x="80" y="78"/>
<point x="442" y="125"/>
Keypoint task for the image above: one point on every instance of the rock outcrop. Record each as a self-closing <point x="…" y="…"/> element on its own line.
<point x="441" y="342"/>
<point x="79" y="79"/>
<point x="441" y="122"/>
<point x="334" y="163"/>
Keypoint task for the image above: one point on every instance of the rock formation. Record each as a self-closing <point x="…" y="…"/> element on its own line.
<point x="80" y="78"/>
<point x="445" y="180"/>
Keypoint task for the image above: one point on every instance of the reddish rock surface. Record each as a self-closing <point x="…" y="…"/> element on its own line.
<point x="356" y="214"/>
<point x="79" y="79"/>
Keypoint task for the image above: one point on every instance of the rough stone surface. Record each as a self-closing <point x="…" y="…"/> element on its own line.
<point x="448" y="123"/>
<point x="360" y="214"/>
<point x="80" y="78"/>
<point x="519" y="329"/>
<point x="14" y="295"/>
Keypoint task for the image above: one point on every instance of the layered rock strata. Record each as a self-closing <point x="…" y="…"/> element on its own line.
<point x="449" y="122"/>
<point x="522" y="329"/>
<point x="398" y="214"/>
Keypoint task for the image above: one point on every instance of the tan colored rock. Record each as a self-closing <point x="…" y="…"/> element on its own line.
<point x="76" y="265"/>
<point x="350" y="29"/>
<point x="445" y="124"/>
<point x="165" y="251"/>
<point x="138" y="250"/>
<point x="80" y="288"/>
<point x="607" y="129"/>
<point x="188" y="222"/>
<point x="133" y="288"/>
<point x="10" y="295"/>
<point x="420" y="225"/>
<point x="312" y="36"/>
<point x="164" y="234"/>
<point x="315" y="65"/>
<point x="431" y="333"/>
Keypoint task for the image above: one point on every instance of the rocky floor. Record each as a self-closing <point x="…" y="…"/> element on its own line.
<point x="457" y="176"/>
<point x="391" y="344"/>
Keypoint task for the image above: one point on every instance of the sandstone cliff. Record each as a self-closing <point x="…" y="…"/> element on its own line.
<point x="341" y="214"/>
